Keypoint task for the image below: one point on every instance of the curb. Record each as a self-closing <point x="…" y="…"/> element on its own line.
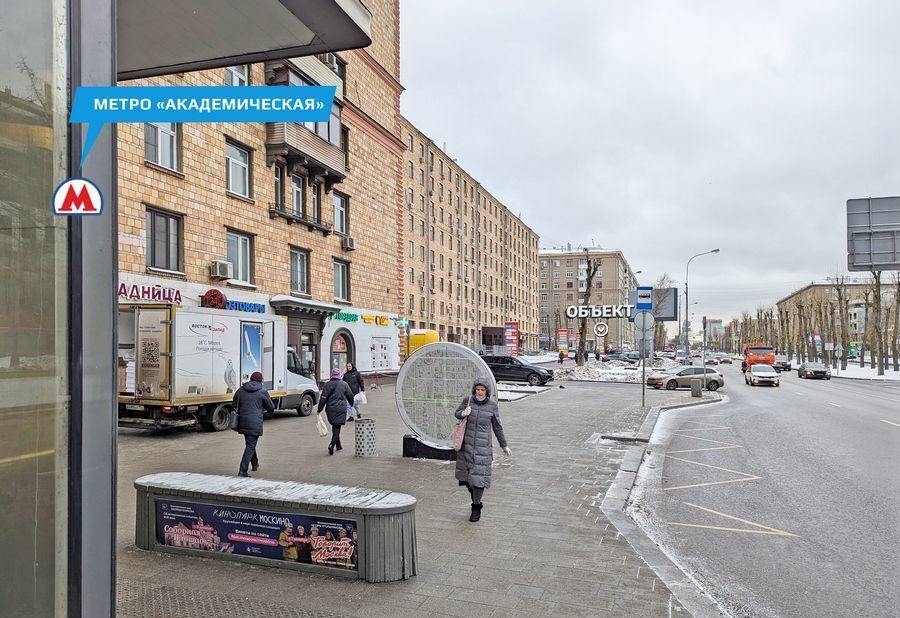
<point x="686" y="591"/>
<point x="837" y="377"/>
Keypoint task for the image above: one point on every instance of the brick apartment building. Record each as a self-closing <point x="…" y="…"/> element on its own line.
<point x="296" y="217"/>
<point x="563" y="280"/>
<point x="470" y="264"/>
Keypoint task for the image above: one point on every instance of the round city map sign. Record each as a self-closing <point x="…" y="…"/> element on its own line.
<point x="432" y="383"/>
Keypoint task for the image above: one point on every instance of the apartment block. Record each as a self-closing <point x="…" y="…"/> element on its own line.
<point x="303" y="219"/>
<point x="470" y="264"/>
<point x="563" y="282"/>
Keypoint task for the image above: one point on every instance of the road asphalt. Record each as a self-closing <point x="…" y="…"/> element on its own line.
<point x="781" y="501"/>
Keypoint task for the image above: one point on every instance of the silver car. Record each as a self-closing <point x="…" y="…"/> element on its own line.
<point x="762" y="374"/>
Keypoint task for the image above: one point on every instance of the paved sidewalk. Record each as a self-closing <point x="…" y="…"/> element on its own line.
<point x="543" y="546"/>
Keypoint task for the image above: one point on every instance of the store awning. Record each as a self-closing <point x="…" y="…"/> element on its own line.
<point x="288" y="304"/>
<point x="174" y="36"/>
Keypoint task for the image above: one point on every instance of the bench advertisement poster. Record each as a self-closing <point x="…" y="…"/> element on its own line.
<point x="307" y="539"/>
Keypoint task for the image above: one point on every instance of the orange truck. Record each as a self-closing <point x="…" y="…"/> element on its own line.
<point x="757" y="354"/>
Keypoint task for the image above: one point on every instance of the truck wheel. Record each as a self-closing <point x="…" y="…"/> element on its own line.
<point x="217" y="418"/>
<point x="307" y="403"/>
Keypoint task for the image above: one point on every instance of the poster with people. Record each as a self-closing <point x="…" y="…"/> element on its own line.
<point x="308" y="539"/>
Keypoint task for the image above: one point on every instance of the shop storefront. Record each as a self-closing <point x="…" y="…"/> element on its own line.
<point x="306" y="322"/>
<point x="368" y="339"/>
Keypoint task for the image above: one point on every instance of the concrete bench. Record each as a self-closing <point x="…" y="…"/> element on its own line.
<point x="352" y="532"/>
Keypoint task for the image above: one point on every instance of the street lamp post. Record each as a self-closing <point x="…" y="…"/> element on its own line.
<point x="687" y="303"/>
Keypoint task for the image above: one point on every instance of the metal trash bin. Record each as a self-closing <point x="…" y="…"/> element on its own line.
<point x="696" y="388"/>
<point x="365" y="437"/>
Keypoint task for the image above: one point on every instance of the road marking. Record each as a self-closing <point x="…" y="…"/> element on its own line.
<point x="890" y="423"/>
<point x="707" y="484"/>
<point x="747" y="477"/>
<point x="703" y="429"/>
<point x="706" y="424"/>
<point x="834" y="404"/>
<point x="709" y="448"/>
<point x="33" y="455"/>
<point x="708" y="440"/>
<point x="762" y="529"/>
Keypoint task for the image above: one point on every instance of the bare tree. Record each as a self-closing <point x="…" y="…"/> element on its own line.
<point x="840" y="287"/>
<point x="593" y="267"/>
<point x="895" y="334"/>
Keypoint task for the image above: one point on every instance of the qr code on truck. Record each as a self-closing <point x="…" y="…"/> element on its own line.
<point x="150" y="353"/>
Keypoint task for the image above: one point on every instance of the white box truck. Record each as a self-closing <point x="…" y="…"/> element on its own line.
<point x="179" y="366"/>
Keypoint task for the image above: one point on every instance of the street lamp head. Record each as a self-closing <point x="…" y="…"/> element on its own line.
<point x="714" y="251"/>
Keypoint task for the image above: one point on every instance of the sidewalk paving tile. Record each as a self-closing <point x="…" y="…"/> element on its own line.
<point x="542" y="548"/>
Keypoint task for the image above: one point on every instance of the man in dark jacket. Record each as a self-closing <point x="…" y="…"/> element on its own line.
<point x="354" y="380"/>
<point x="335" y="398"/>
<point x="249" y="402"/>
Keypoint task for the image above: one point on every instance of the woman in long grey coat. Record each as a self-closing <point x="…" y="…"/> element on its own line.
<point x="473" y="462"/>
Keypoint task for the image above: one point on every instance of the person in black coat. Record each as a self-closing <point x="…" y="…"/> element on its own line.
<point x="250" y="402"/>
<point x="335" y="397"/>
<point x="354" y="380"/>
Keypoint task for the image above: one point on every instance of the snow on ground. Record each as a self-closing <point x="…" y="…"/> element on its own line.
<point x="541" y="358"/>
<point x="613" y="371"/>
<point x="858" y="373"/>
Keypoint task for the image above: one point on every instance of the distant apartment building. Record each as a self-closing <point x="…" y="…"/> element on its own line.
<point x="470" y="264"/>
<point x="563" y="282"/>
<point x="302" y="219"/>
<point x="817" y="302"/>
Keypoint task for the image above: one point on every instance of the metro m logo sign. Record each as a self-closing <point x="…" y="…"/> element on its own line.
<point x="77" y="196"/>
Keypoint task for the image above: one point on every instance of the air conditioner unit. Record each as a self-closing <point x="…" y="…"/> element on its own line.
<point x="433" y="290"/>
<point x="467" y="279"/>
<point x="421" y="159"/>
<point x="430" y="192"/>
<point x="220" y="269"/>
<point x="330" y="60"/>
<point x="422" y="286"/>
<point x="433" y="266"/>
<point x="349" y="243"/>
<point x="432" y="316"/>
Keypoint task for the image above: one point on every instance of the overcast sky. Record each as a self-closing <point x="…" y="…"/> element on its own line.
<point x="665" y="128"/>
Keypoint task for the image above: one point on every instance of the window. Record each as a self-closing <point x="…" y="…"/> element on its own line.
<point x="279" y="187"/>
<point x="161" y="142"/>
<point x="316" y="212"/>
<point x="345" y="146"/>
<point x="422" y="177"/>
<point x="409" y="142"/>
<point x="555" y="286"/>
<point x="412" y="249"/>
<point x="237" y="76"/>
<point x="421" y="227"/>
<point x="298" y="198"/>
<point x="341" y="280"/>
<point x="409" y="169"/>
<point x="569" y="273"/>
<point x="237" y="170"/>
<point x="412" y="223"/>
<point x="163" y="240"/>
<point x="556" y="274"/>
<point x="299" y="271"/>
<point x="341" y="223"/>
<point x="409" y="197"/>
<point x="240" y="254"/>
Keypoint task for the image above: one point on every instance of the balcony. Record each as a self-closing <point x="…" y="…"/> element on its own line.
<point x="279" y="209"/>
<point x="295" y="146"/>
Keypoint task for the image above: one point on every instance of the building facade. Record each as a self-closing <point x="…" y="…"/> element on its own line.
<point x="563" y="282"/>
<point x="469" y="263"/>
<point x="296" y="217"/>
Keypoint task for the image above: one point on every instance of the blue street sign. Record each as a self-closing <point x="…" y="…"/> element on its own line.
<point x="644" y="301"/>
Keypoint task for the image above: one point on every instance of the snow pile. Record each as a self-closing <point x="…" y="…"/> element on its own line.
<point x="854" y="371"/>
<point x="543" y="358"/>
<point x="613" y="371"/>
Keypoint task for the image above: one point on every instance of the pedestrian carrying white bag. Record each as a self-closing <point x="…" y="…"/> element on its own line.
<point x="360" y="398"/>
<point x="321" y="427"/>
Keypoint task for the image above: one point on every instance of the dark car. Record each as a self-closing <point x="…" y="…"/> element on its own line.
<point x="814" y="370"/>
<point x="782" y="363"/>
<point x="511" y="369"/>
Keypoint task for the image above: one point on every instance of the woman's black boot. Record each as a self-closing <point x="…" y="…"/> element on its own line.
<point x="476" y="512"/>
